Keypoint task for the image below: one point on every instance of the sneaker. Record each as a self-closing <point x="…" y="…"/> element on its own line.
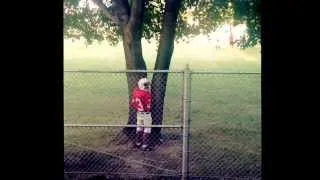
<point x="137" y="145"/>
<point x="146" y="148"/>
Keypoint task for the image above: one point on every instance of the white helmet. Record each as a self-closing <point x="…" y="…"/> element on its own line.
<point x="144" y="84"/>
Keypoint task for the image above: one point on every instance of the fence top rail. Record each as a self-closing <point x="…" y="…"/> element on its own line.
<point x="123" y="71"/>
<point x="211" y="72"/>
<point x="159" y="71"/>
<point x="116" y="125"/>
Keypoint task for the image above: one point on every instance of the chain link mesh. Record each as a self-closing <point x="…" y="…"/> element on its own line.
<point x="225" y="126"/>
<point x="225" y="133"/>
<point x="101" y="99"/>
<point x="90" y="151"/>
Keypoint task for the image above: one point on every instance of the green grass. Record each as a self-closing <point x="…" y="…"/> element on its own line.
<point x="225" y="109"/>
<point x="200" y="57"/>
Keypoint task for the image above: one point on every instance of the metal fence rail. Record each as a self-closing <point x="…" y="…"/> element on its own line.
<point x="211" y="127"/>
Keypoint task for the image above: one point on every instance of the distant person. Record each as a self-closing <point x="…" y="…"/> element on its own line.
<point x="243" y="40"/>
<point x="218" y="44"/>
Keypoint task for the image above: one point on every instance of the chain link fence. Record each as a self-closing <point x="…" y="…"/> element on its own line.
<point x="102" y="97"/>
<point x="225" y="133"/>
<point x="96" y="111"/>
<point x="224" y="139"/>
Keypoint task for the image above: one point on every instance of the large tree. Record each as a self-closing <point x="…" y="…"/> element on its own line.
<point x="163" y="20"/>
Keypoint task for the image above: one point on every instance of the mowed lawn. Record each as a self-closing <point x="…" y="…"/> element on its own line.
<point x="200" y="56"/>
<point x="225" y="108"/>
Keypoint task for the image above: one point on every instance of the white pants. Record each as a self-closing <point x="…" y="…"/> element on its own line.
<point x="145" y="119"/>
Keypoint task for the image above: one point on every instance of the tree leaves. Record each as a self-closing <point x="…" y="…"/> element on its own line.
<point x="207" y="15"/>
<point x="248" y="11"/>
<point x="72" y="3"/>
<point x="90" y="24"/>
<point x="152" y="19"/>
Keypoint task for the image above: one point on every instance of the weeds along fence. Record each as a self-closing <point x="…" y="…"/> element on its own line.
<point x="211" y="127"/>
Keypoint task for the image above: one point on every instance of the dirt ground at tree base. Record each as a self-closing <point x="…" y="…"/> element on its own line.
<point x="120" y="160"/>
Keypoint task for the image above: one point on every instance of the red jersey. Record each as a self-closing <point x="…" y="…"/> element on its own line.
<point x="141" y="100"/>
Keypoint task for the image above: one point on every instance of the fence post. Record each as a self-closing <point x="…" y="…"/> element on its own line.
<point x="186" y="122"/>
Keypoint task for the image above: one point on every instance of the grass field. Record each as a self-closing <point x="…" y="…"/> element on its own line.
<point x="200" y="55"/>
<point x="225" y="109"/>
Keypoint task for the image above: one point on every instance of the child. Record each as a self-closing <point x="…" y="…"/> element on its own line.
<point x="141" y="102"/>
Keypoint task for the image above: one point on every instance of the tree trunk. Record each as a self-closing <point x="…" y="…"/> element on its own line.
<point x="165" y="50"/>
<point x="134" y="60"/>
<point x="131" y="36"/>
<point x="231" y="37"/>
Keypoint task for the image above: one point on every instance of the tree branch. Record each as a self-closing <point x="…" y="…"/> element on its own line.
<point x="118" y="12"/>
<point x="167" y="34"/>
<point x="106" y="11"/>
<point x="137" y="10"/>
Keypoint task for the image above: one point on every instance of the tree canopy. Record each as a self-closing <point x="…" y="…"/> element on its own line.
<point x="82" y="19"/>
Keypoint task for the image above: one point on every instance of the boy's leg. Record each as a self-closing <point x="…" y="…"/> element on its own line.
<point x="146" y="133"/>
<point x="139" y="131"/>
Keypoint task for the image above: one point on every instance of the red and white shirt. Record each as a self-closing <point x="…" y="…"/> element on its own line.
<point x="141" y="100"/>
